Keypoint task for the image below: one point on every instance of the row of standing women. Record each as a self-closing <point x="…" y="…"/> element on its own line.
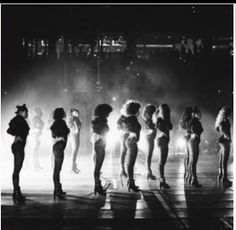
<point x="130" y="128"/>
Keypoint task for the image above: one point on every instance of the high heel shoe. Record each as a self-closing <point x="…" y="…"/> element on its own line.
<point x="99" y="189"/>
<point x="150" y="176"/>
<point x="131" y="186"/>
<point x="195" y="184"/>
<point x="227" y="182"/>
<point x="17" y="196"/>
<point x="164" y="185"/>
<point x="75" y="169"/>
<point x="59" y="194"/>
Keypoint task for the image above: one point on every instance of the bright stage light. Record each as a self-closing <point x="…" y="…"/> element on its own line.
<point x="180" y="143"/>
<point x="112" y="138"/>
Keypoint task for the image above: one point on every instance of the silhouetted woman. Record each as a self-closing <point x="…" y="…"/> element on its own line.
<point x="123" y="137"/>
<point x="36" y="126"/>
<point x="223" y="126"/>
<point x="60" y="133"/>
<point x="184" y="124"/>
<point x="18" y="127"/>
<point x="132" y="126"/>
<point x="163" y="126"/>
<point x="150" y="134"/>
<point x="196" y="130"/>
<point x="74" y="123"/>
<point x="99" y="128"/>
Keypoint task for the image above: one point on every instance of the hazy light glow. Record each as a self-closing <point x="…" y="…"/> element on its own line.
<point x="180" y="144"/>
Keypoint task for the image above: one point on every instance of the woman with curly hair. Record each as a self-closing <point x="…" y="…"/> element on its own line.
<point x="222" y="125"/>
<point x="132" y="127"/>
<point x="37" y="125"/>
<point x="74" y="123"/>
<point x="60" y="133"/>
<point x="163" y="126"/>
<point x="195" y="128"/>
<point x="99" y="128"/>
<point x="150" y="134"/>
<point x="184" y="124"/>
<point x="18" y="127"/>
<point x="123" y="137"/>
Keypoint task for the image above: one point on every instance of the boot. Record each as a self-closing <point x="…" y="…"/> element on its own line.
<point x="17" y="196"/>
<point x="59" y="194"/>
<point x="226" y="182"/>
<point x="163" y="184"/>
<point x="195" y="183"/>
<point x="131" y="186"/>
<point x="99" y="189"/>
<point x="150" y="176"/>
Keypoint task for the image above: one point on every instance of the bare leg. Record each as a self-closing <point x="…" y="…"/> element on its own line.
<point x="75" y="147"/>
<point x="193" y="158"/>
<point x="36" y="154"/>
<point x="150" y="144"/>
<point x="123" y="152"/>
<point x="99" y="155"/>
<point x="132" y="155"/>
<point x="221" y="154"/>
<point x="186" y="163"/>
<point x="19" y="156"/>
<point x="162" y="161"/>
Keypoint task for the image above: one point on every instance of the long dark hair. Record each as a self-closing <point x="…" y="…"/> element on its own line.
<point x="131" y="107"/>
<point x="185" y="118"/>
<point x="102" y="110"/>
<point x="163" y="108"/>
<point x="148" y="111"/>
<point x="21" y="108"/>
<point x="58" y="114"/>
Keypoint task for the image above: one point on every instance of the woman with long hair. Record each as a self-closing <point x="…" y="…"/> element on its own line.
<point x="74" y="123"/>
<point x="222" y="125"/>
<point x="99" y="128"/>
<point x="123" y="137"/>
<point x="36" y="126"/>
<point x="163" y="126"/>
<point x="18" y="127"/>
<point x="132" y="127"/>
<point x="150" y="134"/>
<point x="60" y="133"/>
<point x="196" y="130"/>
<point x="184" y="124"/>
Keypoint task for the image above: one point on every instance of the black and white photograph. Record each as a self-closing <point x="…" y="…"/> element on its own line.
<point x="117" y="116"/>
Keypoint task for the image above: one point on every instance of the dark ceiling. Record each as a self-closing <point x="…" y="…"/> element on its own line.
<point x="71" y="20"/>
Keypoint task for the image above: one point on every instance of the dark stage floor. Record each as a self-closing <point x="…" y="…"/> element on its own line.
<point x="180" y="207"/>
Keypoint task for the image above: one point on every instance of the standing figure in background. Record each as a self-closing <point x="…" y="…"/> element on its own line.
<point x="184" y="124"/>
<point x="60" y="133"/>
<point x="36" y="126"/>
<point x="222" y="125"/>
<point x="123" y="148"/>
<point x="99" y="128"/>
<point x="163" y="126"/>
<point x="50" y="122"/>
<point x="132" y="126"/>
<point x="195" y="128"/>
<point x="18" y="127"/>
<point x="74" y="123"/>
<point x="150" y="134"/>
